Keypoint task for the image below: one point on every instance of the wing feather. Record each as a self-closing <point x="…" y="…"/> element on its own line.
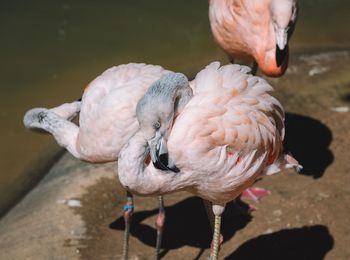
<point x="231" y="110"/>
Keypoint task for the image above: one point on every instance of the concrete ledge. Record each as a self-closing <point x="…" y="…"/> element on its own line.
<point x="39" y="225"/>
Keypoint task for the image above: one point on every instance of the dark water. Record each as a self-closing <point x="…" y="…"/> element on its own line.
<point x="51" y="49"/>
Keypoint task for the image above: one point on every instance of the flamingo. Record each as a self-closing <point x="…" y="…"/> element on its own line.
<point x="107" y="121"/>
<point x="255" y="29"/>
<point x="214" y="144"/>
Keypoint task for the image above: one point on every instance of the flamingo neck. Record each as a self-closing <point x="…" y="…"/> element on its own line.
<point x="138" y="177"/>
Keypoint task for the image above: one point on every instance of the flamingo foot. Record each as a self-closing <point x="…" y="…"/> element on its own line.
<point x="254" y="194"/>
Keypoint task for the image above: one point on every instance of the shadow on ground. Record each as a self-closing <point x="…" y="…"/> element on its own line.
<point x="308" y="140"/>
<point x="185" y="225"/>
<point x="346" y="98"/>
<point x="310" y="243"/>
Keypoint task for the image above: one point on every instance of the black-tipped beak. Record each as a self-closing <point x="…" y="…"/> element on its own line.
<point x="161" y="163"/>
<point x="281" y="55"/>
<point x="160" y="156"/>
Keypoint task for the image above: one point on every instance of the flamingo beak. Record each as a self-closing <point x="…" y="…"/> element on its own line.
<point x="281" y="45"/>
<point x="281" y="55"/>
<point x="159" y="154"/>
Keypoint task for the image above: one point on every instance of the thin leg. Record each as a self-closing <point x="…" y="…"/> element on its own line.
<point x="128" y="211"/>
<point x="216" y="238"/>
<point x="67" y="111"/>
<point x="211" y="217"/>
<point x="218" y="210"/>
<point x="255" y="68"/>
<point x="159" y="225"/>
<point x="231" y="59"/>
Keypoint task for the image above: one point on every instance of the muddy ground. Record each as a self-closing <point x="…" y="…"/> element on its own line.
<point x="306" y="216"/>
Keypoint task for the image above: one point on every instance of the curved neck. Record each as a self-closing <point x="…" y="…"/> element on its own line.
<point x="163" y="100"/>
<point x="181" y="97"/>
<point x="139" y="178"/>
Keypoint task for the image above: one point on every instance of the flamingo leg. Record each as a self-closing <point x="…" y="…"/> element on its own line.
<point x="211" y="217"/>
<point x="128" y="211"/>
<point x="231" y="59"/>
<point x="218" y="210"/>
<point x="254" y="68"/>
<point x="254" y="193"/>
<point x="159" y="225"/>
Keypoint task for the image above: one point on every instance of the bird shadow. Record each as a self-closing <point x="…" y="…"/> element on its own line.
<point x="308" y="140"/>
<point x="346" y="98"/>
<point x="185" y="225"/>
<point x="311" y="242"/>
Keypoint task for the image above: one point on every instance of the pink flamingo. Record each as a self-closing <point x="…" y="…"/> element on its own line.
<point x="255" y="29"/>
<point x="107" y="121"/>
<point x="213" y="145"/>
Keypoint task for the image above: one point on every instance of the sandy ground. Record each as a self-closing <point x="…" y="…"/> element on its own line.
<point x="305" y="217"/>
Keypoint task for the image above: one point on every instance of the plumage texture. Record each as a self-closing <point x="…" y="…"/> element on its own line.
<point x="107" y="118"/>
<point x="229" y="134"/>
<point x="107" y="113"/>
<point x="253" y="28"/>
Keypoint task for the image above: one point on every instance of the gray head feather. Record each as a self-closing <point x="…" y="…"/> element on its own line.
<point x="162" y="100"/>
<point x="163" y="91"/>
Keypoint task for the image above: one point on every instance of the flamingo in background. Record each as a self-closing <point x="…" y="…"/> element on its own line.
<point x="255" y="29"/>
<point x="107" y="121"/>
<point x="213" y="145"/>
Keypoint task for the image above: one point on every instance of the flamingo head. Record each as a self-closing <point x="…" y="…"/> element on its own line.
<point x="274" y="63"/>
<point x="273" y="59"/>
<point x="156" y="111"/>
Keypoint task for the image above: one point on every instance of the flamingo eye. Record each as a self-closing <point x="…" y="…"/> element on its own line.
<point x="156" y="125"/>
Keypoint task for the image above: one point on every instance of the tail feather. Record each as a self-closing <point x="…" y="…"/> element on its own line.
<point x="285" y="161"/>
